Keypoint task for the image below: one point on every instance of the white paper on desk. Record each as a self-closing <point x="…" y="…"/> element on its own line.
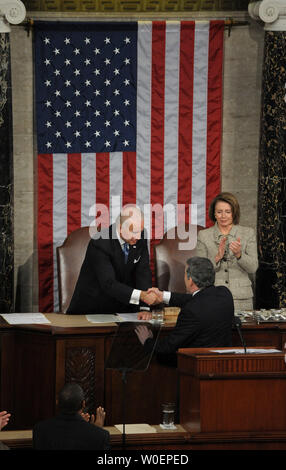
<point x="25" y="318"/>
<point x="129" y="317"/>
<point x="136" y="428"/>
<point x="102" y="318"/>
<point x="248" y="351"/>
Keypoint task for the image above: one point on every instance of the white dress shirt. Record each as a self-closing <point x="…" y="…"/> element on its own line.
<point x="167" y="296"/>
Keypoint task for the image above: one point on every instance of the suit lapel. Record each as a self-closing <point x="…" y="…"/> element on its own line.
<point x="134" y="252"/>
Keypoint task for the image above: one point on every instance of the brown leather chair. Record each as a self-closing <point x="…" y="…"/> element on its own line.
<point x="170" y="261"/>
<point x="70" y="256"/>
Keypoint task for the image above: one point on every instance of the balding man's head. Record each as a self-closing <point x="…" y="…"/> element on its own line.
<point x="131" y="223"/>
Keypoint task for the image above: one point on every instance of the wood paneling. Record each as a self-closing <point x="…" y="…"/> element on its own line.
<point x="231" y="393"/>
<point x="37" y="360"/>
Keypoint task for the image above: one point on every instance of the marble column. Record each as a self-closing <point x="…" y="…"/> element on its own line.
<point x="12" y="12"/>
<point x="6" y="179"/>
<point x="271" y="275"/>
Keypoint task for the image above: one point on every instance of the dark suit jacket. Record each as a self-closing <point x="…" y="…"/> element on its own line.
<point x="105" y="282"/>
<point x="205" y="321"/>
<point x="69" y="432"/>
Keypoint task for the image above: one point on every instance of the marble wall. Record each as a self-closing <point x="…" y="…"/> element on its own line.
<point x="243" y="60"/>
<point x="6" y="179"/>
<point x="271" y="276"/>
<point x="24" y="169"/>
<point x="241" y="126"/>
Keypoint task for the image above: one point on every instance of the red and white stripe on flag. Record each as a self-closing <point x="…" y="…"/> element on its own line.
<point x="177" y="158"/>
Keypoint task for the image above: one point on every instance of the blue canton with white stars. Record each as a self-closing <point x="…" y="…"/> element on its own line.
<point x="86" y="91"/>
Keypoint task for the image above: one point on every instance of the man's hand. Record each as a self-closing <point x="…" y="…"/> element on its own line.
<point x="148" y="297"/>
<point x="158" y="293"/>
<point x="100" y="417"/>
<point x="144" y="315"/>
<point x="85" y="415"/>
<point x="4" y="418"/>
<point x="143" y="333"/>
<point x="98" y="420"/>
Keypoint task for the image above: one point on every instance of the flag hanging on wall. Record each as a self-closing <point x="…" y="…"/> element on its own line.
<point x="125" y="113"/>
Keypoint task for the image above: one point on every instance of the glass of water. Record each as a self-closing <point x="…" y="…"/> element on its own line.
<point x="158" y="316"/>
<point x="168" y="415"/>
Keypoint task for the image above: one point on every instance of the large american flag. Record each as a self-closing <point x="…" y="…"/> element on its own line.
<point x="126" y="113"/>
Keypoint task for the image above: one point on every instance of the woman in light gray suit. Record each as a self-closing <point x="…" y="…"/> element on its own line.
<point x="232" y="248"/>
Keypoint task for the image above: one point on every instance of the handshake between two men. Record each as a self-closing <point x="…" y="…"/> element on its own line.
<point x="152" y="296"/>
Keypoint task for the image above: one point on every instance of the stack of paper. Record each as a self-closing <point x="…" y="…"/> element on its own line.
<point x="25" y="318"/>
<point x="136" y="428"/>
<point x="102" y="318"/>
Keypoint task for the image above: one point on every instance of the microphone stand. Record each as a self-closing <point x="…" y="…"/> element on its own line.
<point x="237" y="323"/>
<point x="124" y="383"/>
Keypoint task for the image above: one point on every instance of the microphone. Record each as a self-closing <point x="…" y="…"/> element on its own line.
<point x="237" y="324"/>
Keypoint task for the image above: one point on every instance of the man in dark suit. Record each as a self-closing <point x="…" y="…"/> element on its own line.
<point x="72" y="429"/>
<point x="112" y="280"/>
<point x="206" y="313"/>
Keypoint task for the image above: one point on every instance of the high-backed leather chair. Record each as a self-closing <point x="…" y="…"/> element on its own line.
<point x="70" y="256"/>
<point x="170" y="260"/>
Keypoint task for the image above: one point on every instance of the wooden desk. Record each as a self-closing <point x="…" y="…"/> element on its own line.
<point x="263" y="334"/>
<point x="161" y="439"/>
<point x="179" y="440"/>
<point x="233" y="398"/>
<point x="17" y="439"/>
<point x="37" y="360"/>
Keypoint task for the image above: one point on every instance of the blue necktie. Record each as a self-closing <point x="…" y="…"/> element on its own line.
<point x="125" y="251"/>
